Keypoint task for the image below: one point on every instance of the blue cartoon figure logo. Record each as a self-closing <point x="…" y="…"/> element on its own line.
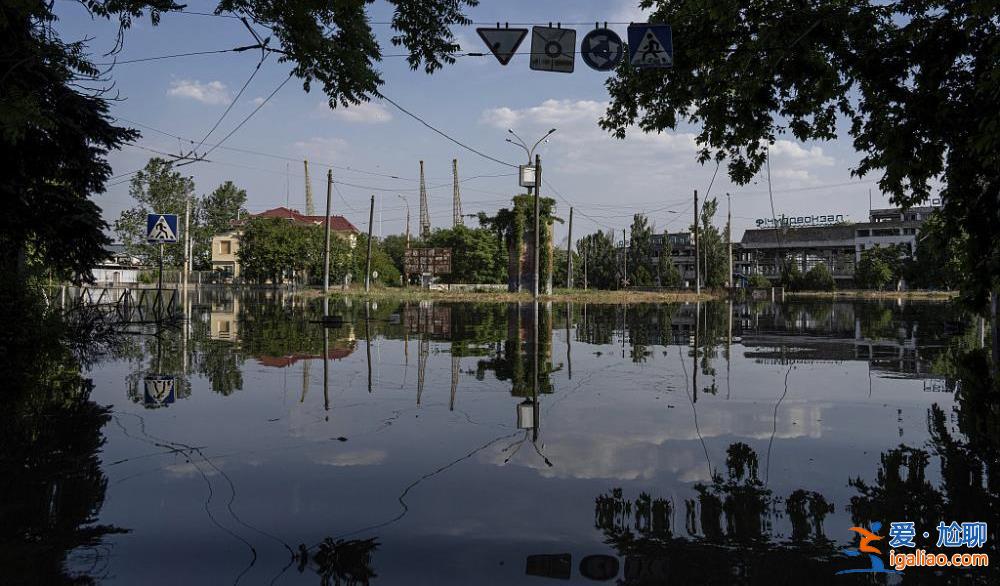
<point x="868" y="536"/>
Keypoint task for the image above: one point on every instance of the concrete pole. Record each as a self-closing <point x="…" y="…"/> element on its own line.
<point x="326" y="238"/>
<point x="538" y="227"/>
<point x="187" y="238"/>
<point x="569" y="253"/>
<point x="697" y="257"/>
<point x="729" y="240"/>
<point x="368" y="259"/>
<point x="625" y="256"/>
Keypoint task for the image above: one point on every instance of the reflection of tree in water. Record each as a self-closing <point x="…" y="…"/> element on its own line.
<point x="729" y="530"/>
<point x="970" y="472"/>
<point x="51" y="483"/>
<point x="342" y="563"/>
<point x="514" y="360"/>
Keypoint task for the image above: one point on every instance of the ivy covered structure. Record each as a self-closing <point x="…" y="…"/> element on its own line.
<point x="516" y="227"/>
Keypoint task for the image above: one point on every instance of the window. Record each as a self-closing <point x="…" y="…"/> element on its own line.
<point x="226" y="247"/>
<point x="863" y="233"/>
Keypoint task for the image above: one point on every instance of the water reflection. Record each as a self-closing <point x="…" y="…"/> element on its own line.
<point x="700" y="443"/>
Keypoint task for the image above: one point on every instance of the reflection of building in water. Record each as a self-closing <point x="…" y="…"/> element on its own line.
<point x="885" y="336"/>
<point x="223" y="319"/>
<point x="346" y="348"/>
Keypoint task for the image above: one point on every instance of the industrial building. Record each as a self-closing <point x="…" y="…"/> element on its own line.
<point x="838" y="245"/>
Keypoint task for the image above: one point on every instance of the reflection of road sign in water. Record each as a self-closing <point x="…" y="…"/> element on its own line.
<point x="553" y="49"/>
<point x="650" y="45"/>
<point x="602" y="49"/>
<point x="161" y="228"/>
<point x="158" y="389"/>
<point x="503" y="42"/>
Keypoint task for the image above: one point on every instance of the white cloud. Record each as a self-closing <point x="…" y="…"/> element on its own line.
<point x="212" y="92"/>
<point x="257" y="101"/>
<point x="811" y="156"/>
<point x="363" y="113"/>
<point x="322" y="149"/>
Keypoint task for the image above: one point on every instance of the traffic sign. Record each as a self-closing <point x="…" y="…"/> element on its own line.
<point x="161" y="228"/>
<point x="553" y="49"/>
<point x="158" y="390"/>
<point x="602" y="49"/>
<point x="650" y="46"/>
<point x="503" y="42"/>
<point x="526" y="175"/>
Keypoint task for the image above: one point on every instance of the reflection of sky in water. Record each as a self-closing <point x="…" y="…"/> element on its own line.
<point x="301" y="473"/>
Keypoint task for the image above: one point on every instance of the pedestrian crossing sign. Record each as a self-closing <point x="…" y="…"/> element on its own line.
<point x="650" y="46"/>
<point x="161" y="228"/>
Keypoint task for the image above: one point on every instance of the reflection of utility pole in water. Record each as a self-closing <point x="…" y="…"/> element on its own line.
<point x="694" y="375"/>
<point x="326" y="351"/>
<point x="368" y="338"/>
<point x="569" y="357"/>
<point x="305" y="380"/>
<point x="423" y="349"/>
<point x="455" y="364"/>
<point x="729" y="346"/>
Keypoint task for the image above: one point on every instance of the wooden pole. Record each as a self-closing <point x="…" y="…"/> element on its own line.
<point x="697" y="257"/>
<point x="368" y="259"/>
<point x="326" y="238"/>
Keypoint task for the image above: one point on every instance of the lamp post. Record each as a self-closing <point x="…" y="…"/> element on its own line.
<point x="538" y="175"/>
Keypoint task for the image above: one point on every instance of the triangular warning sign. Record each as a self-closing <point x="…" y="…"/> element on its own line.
<point x="162" y="231"/>
<point x="503" y="42"/>
<point x="651" y="52"/>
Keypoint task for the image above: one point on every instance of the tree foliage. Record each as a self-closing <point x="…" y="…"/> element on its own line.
<point x="818" y="278"/>
<point x="274" y="249"/>
<point x="601" y="260"/>
<point x="913" y="83"/>
<point x="156" y="189"/>
<point x="667" y="273"/>
<point x="878" y="267"/>
<point x="641" y="268"/>
<point x="477" y="255"/>
<point x="216" y="213"/>
<point x="712" y="247"/>
<point x="939" y="262"/>
<point x="55" y="130"/>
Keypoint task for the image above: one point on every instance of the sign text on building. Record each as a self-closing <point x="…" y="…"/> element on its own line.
<point x="818" y="220"/>
<point x="433" y="261"/>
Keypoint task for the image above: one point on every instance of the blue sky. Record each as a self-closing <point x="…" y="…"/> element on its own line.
<point x="475" y="100"/>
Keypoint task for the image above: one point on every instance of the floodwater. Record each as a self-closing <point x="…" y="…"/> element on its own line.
<point x="411" y="444"/>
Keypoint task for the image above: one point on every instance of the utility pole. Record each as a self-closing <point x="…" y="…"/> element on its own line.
<point x="729" y="239"/>
<point x="310" y="207"/>
<point x="585" y="254"/>
<point x="569" y="252"/>
<point x="326" y="240"/>
<point x="625" y="256"/>
<point x="697" y="257"/>
<point x="538" y="226"/>
<point x="425" y="215"/>
<point x="187" y="238"/>
<point x="368" y="259"/>
<point x="406" y="276"/>
<point x="456" y="197"/>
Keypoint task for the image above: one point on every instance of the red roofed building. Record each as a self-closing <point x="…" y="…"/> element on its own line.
<point x="226" y="246"/>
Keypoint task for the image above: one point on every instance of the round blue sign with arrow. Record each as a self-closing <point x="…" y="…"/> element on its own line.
<point x="602" y="49"/>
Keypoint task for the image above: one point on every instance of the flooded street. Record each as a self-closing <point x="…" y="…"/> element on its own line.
<point x="410" y="444"/>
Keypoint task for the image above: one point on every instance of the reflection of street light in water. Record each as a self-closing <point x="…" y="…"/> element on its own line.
<point x="528" y="415"/>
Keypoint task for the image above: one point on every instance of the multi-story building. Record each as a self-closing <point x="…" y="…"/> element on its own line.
<point x="839" y="246"/>
<point x="226" y="245"/>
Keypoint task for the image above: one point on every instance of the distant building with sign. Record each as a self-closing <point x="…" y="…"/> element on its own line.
<point x="838" y="245"/>
<point x="226" y="245"/>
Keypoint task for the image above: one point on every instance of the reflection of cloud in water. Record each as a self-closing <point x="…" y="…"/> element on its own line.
<point x="189" y="470"/>
<point x="356" y="458"/>
<point x="661" y="442"/>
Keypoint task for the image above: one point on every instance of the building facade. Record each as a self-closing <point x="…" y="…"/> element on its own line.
<point x="838" y="246"/>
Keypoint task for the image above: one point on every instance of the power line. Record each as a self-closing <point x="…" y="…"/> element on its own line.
<point x="250" y="115"/>
<point x="231" y="104"/>
<point x="442" y="133"/>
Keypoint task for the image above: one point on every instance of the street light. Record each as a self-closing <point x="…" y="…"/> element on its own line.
<point x="520" y="142"/>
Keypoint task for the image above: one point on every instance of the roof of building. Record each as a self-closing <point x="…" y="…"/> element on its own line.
<point x="337" y="223"/>
<point x="793" y="236"/>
